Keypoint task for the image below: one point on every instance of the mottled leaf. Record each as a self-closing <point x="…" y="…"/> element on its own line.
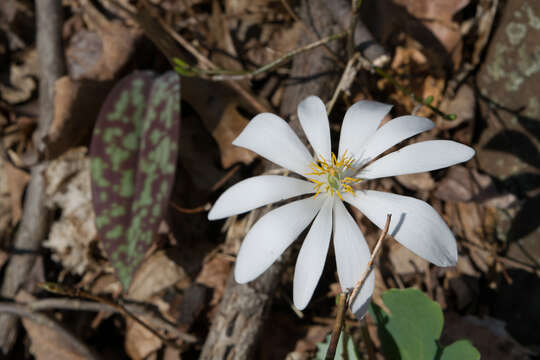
<point x="133" y="156"/>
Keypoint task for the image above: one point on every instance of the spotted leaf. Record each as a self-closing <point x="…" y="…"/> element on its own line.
<point x="133" y="156"/>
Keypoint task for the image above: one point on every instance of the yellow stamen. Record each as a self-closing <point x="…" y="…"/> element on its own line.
<point x="331" y="173"/>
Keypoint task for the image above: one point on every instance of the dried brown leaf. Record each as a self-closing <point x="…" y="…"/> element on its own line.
<point x="155" y="274"/>
<point x="217" y="108"/>
<point x="17" y="180"/>
<point x="47" y="344"/>
<point x="463" y="184"/>
<point x="214" y="274"/>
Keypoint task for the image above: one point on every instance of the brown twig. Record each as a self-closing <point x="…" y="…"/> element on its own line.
<point x="338" y="326"/>
<point x="345" y="82"/>
<point x="59" y="289"/>
<point x="256" y="103"/>
<point x="33" y="226"/>
<point x="84" y="305"/>
<point x="41" y="319"/>
<point x="371" y="262"/>
<point x="225" y="178"/>
<point x="198" y="209"/>
<point x="216" y="74"/>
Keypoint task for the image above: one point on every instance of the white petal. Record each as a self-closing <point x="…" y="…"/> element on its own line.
<point x="312" y="256"/>
<point x="352" y="252"/>
<point x="415" y="224"/>
<point x="257" y="191"/>
<point x="360" y="123"/>
<point x="394" y="132"/>
<point x="418" y="157"/>
<point x="314" y="120"/>
<point x="271" y="235"/>
<point x="271" y="137"/>
<point x="361" y="303"/>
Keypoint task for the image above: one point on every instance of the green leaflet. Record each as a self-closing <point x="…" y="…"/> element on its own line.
<point x="133" y="157"/>
<point x="412" y="330"/>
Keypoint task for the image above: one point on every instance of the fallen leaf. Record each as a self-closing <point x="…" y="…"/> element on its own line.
<point x="468" y="185"/>
<point x="156" y="273"/>
<point x="417" y="182"/>
<point x="47" y="344"/>
<point x="217" y="107"/>
<point x="68" y="189"/>
<point x="22" y="79"/>
<point x="140" y="342"/>
<point x="214" y="274"/>
<point x="17" y="180"/>
<point x="488" y="335"/>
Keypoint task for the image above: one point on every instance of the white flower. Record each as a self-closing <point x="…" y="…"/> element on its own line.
<point x="414" y="223"/>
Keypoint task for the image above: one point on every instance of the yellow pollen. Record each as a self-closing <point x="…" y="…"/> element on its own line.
<point x="333" y="174"/>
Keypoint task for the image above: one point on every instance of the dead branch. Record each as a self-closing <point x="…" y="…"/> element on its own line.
<point x="41" y="319"/>
<point x="33" y="226"/>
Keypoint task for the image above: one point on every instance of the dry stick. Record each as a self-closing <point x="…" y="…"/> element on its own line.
<point x="221" y="74"/>
<point x="33" y="226"/>
<point x="257" y="105"/>
<point x="345" y="82"/>
<point x="43" y="320"/>
<point x="338" y="325"/>
<point x="84" y="305"/>
<point x="59" y="289"/>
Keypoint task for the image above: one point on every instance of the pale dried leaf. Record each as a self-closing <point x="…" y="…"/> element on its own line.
<point x="214" y="274"/>
<point x="231" y="124"/>
<point x="140" y="342"/>
<point x="68" y="189"/>
<point x="17" y="180"/>
<point x="155" y="274"/>
<point x="47" y="344"/>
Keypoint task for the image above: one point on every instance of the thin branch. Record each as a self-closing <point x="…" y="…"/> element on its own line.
<point x="59" y="289"/>
<point x="83" y="305"/>
<point x="33" y="226"/>
<point x="338" y="325"/>
<point x="216" y="74"/>
<point x="348" y="76"/>
<point x="41" y="319"/>
<point x="371" y="262"/>
<point x="198" y="209"/>
<point x="355" y="6"/>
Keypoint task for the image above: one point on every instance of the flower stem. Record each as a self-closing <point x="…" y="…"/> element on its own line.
<point x="338" y="325"/>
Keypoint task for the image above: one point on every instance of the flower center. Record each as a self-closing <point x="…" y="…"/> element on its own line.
<point x="332" y="176"/>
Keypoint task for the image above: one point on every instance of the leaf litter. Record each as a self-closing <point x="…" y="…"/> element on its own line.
<point x="434" y="48"/>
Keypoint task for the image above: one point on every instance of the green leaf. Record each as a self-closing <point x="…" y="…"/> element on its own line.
<point x="349" y="352"/>
<point x="412" y="329"/>
<point x="460" y="350"/>
<point x="133" y="159"/>
<point x="428" y="100"/>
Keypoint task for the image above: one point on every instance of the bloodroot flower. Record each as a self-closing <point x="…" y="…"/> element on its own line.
<point x="330" y="181"/>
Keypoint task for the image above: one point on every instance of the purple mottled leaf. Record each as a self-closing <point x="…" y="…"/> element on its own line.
<point x="133" y="156"/>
